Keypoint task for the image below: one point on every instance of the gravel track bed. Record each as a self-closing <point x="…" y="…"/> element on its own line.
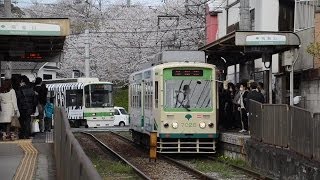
<point x="232" y="175"/>
<point x="101" y="159"/>
<point x="139" y="158"/>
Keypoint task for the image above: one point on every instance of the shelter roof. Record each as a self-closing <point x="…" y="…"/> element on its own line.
<point x="242" y="46"/>
<point x="32" y="40"/>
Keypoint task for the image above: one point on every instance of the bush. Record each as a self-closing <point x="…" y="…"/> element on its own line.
<point x="121" y="98"/>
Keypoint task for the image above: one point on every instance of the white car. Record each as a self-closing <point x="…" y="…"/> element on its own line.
<point x="121" y="117"/>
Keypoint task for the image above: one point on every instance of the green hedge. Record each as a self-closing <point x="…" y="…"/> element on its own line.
<point x="121" y="98"/>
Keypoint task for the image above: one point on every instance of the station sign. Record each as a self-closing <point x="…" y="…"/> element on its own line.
<point x="29" y="29"/>
<point x="266" y="39"/>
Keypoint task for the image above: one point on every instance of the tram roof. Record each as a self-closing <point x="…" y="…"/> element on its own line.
<point x="33" y="39"/>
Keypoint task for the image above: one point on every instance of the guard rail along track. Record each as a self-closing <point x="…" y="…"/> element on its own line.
<point x="71" y="160"/>
<point x="138" y="159"/>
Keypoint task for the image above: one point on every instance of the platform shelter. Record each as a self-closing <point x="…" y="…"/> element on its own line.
<point x="31" y="42"/>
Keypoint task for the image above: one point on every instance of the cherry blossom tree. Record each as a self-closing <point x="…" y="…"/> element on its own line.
<point x="122" y="37"/>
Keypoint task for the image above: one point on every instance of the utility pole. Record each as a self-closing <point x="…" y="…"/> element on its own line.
<point x="7" y="12"/>
<point x="245" y="25"/>
<point x="128" y="3"/>
<point x="87" y="54"/>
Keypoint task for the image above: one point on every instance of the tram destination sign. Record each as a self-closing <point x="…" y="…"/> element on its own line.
<point x="187" y="72"/>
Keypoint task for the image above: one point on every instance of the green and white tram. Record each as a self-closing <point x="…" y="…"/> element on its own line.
<point x="87" y="101"/>
<point x="177" y="100"/>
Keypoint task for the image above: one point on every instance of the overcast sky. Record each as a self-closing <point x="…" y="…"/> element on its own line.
<point x="104" y="2"/>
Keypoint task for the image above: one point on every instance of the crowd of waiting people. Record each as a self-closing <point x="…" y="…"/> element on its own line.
<point x="234" y="103"/>
<point x="22" y="101"/>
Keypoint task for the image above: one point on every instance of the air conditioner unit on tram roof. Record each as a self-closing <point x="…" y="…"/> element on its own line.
<point x="180" y="56"/>
<point x="174" y="56"/>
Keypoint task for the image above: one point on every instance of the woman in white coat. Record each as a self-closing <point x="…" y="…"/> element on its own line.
<point x="8" y="103"/>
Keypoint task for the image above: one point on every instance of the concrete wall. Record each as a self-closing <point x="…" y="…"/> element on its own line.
<point x="310" y="84"/>
<point x="317" y="36"/>
<point x="310" y="95"/>
<point x="211" y="28"/>
<point x="281" y="163"/>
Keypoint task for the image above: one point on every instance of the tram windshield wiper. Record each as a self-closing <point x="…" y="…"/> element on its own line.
<point x="186" y="107"/>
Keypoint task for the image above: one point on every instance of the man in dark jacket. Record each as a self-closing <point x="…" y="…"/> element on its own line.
<point x="41" y="93"/>
<point x="254" y="94"/>
<point x="27" y="101"/>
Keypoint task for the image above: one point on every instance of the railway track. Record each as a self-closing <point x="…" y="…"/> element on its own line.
<point x="252" y="173"/>
<point x="249" y="172"/>
<point x="137" y="158"/>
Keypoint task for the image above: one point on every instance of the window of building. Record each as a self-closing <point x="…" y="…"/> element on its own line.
<point x="286" y="15"/>
<point x="252" y="19"/>
<point x="47" y="76"/>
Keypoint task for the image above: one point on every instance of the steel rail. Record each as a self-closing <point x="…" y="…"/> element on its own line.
<point x="140" y="173"/>
<point x="247" y="171"/>
<point x="195" y="172"/>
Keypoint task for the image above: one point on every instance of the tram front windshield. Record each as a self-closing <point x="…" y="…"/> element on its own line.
<point x="98" y="95"/>
<point x="189" y="94"/>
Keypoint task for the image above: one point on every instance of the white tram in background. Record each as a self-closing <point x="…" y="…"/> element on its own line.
<point x="87" y="101"/>
<point x="177" y="100"/>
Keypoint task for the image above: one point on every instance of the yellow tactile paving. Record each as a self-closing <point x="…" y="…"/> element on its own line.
<point x="26" y="168"/>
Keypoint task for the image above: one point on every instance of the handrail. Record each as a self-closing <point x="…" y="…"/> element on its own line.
<point x="71" y="160"/>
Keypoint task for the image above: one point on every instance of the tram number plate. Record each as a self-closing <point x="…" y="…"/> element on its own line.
<point x="188" y="124"/>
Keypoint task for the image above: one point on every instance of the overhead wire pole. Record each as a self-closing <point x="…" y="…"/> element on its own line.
<point x="87" y="45"/>
<point x="87" y="54"/>
<point x="7" y="12"/>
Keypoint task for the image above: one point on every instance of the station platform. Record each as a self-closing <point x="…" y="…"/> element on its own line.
<point x="231" y="144"/>
<point x="28" y="159"/>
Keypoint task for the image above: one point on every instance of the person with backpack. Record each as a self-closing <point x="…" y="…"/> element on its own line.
<point x="48" y="115"/>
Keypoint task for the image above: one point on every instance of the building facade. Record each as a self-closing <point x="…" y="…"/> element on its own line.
<point x="276" y="15"/>
<point x="32" y="69"/>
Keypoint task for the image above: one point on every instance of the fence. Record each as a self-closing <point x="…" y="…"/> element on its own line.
<point x="286" y="126"/>
<point x="71" y="161"/>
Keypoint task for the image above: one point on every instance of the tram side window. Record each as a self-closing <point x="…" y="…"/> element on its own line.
<point x="139" y="95"/>
<point x="74" y="98"/>
<point x="87" y="96"/>
<point x="150" y="95"/>
<point x="156" y="96"/>
<point x="146" y="97"/>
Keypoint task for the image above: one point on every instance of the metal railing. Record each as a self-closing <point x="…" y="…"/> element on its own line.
<point x="316" y="136"/>
<point x="286" y="126"/>
<point x="71" y="160"/>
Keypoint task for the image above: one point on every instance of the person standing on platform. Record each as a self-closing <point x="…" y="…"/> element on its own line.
<point x="254" y="94"/>
<point x="9" y="107"/>
<point x="261" y="89"/>
<point x="229" y="107"/>
<point x="48" y="115"/>
<point x="41" y="93"/>
<point x="241" y="100"/>
<point x="27" y="103"/>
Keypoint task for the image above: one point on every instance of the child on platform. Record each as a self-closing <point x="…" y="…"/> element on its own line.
<point x="48" y="110"/>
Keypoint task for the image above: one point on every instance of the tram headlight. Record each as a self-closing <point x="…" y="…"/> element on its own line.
<point x="211" y="125"/>
<point x="202" y="125"/>
<point x="175" y="125"/>
<point x="166" y="125"/>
